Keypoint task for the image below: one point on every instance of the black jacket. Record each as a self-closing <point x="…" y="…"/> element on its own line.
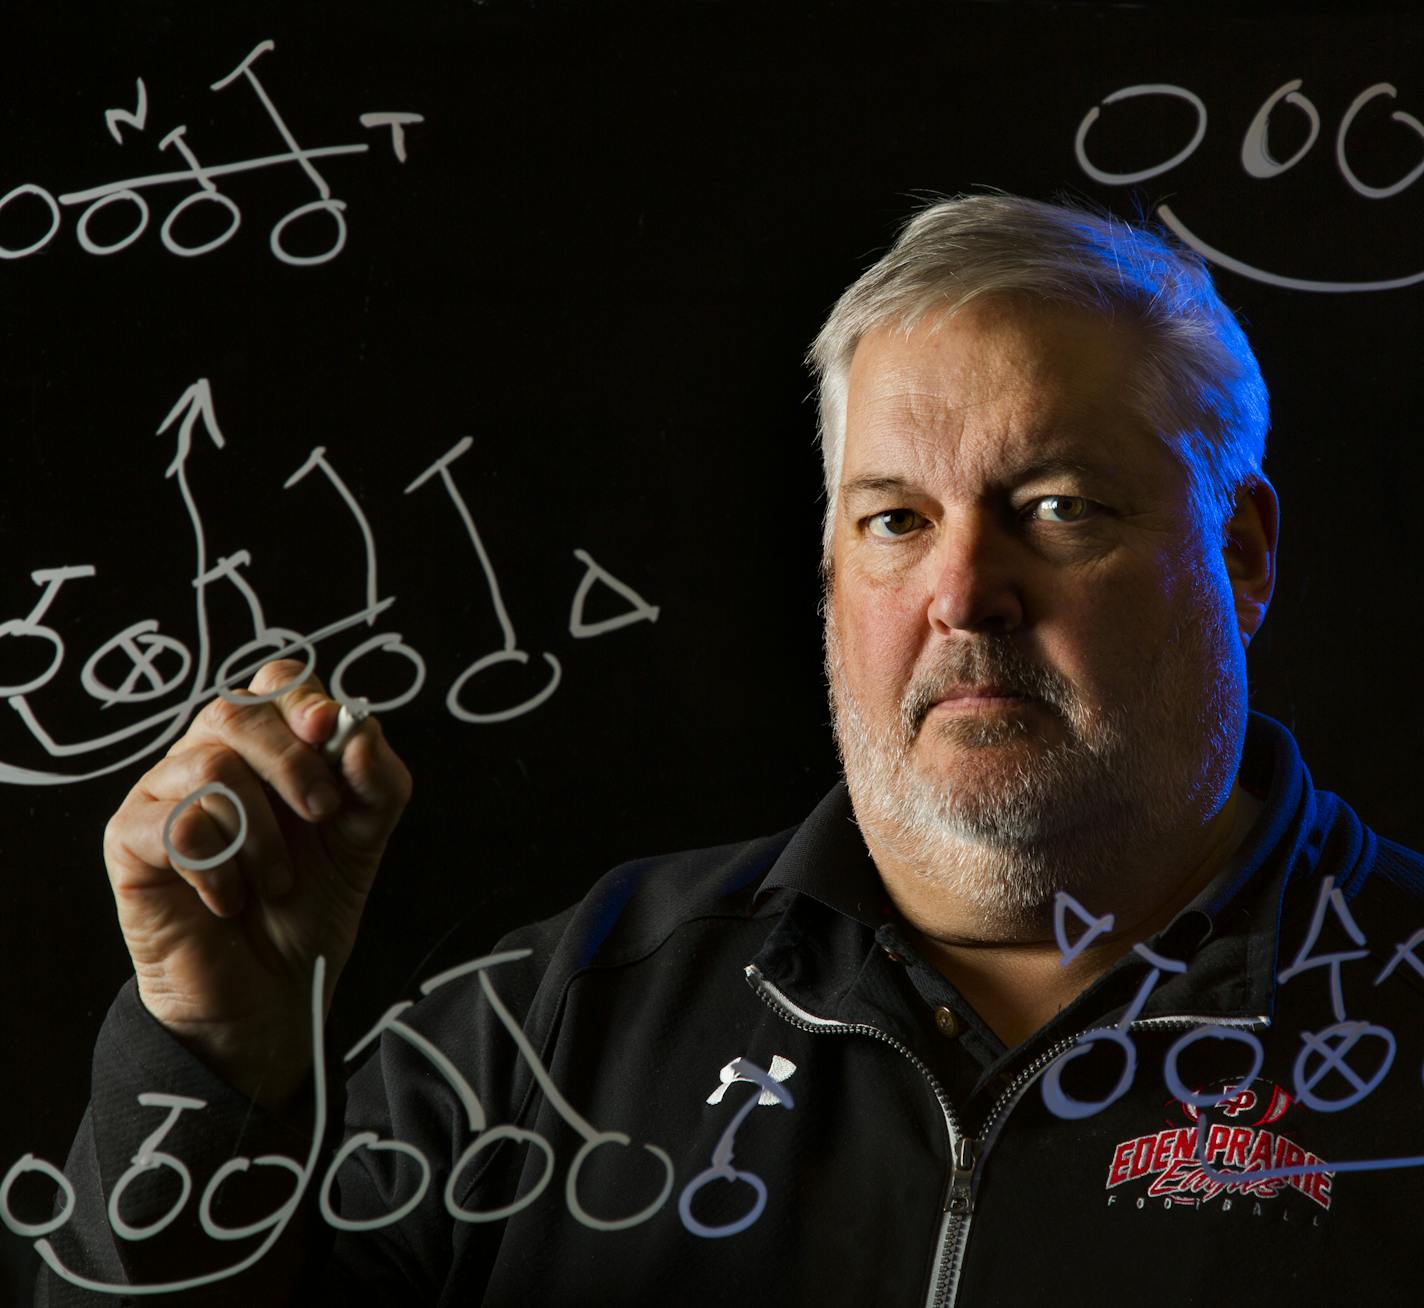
<point x="725" y="1077"/>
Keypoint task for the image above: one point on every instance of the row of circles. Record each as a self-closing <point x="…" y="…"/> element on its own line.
<point x="334" y="208"/>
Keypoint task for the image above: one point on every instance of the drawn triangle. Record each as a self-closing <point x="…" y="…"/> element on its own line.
<point x="639" y="611"/>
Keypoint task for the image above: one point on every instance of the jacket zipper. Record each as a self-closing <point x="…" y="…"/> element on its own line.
<point x="978" y="1147"/>
<point x="967" y="1152"/>
<point x="959" y="1197"/>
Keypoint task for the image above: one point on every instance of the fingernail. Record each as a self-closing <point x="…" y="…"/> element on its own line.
<point x="322" y="800"/>
<point x="277" y="881"/>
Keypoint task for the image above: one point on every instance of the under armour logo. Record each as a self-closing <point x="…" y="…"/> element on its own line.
<point x="781" y="1070"/>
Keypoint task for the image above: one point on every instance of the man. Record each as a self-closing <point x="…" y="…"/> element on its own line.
<point x="1075" y="992"/>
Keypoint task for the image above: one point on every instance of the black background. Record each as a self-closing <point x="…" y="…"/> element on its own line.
<point x="616" y="231"/>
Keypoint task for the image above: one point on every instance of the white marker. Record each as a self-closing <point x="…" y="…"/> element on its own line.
<point x="348" y="722"/>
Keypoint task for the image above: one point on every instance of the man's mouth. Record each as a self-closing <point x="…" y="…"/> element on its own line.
<point x="1002" y="687"/>
<point x="988" y="696"/>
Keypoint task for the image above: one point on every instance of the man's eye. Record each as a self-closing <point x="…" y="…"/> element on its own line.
<point x="1061" y="508"/>
<point x="893" y="523"/>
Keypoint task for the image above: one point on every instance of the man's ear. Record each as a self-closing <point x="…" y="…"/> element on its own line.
<point x="1249" y="547"/>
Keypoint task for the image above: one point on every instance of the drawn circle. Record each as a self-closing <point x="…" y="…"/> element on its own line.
<point x="491" y="1136"/>
<point x="706" y="1177"/>
<point x="370" y="1140"/>
<point x="1131" y="93"/>
<point x="27" y="1230"/>
<point x="1209" y="1100"/>
<point x="452" y="700"/>
<point x="142" y="664"/>
<point x="391" y="643"/>
<point x="1332" y="1059"/>
<point x="81" y="229"/>
<point x="1060" y="1104"/>
<point x="283" y="641"/>
<point x="621" y="1223"/>
<point x="205" y="864"/>
<point x="1256" y="156"/>
<point x="155" y="1160"/>
<point x="1358" y="103"/>
<point x="22" y="627"/>
<point x="165" y="233"/>
<point x="334" y="208"/>
<point x="29" y="188"/>
<point x="205" y="1208"/>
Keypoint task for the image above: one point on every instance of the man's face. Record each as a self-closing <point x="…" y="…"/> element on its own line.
<point x="1029" y="635"/>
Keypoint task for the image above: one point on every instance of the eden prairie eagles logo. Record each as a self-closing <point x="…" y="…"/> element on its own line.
<point x="1244" y="1136"/>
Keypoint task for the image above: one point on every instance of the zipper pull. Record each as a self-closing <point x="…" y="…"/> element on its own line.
<point x="961" y="1196"/>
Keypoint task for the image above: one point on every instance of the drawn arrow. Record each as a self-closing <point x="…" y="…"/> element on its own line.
<point x="196" y="402"/>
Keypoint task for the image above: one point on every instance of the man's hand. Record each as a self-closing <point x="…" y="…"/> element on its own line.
<point x="224" y="957"/>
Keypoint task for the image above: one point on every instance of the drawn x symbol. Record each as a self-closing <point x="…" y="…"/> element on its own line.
<point x="1331" y="1046"/>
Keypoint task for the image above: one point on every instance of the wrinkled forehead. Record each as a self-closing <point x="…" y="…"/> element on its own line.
<point x="998" y="384"/>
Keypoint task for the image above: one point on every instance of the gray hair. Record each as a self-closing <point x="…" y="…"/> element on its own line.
<point x="1198" y="385"/>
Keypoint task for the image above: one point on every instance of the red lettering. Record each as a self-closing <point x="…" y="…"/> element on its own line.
<point x="1162" y="1150"/>
<point x="1260" y="1157"/>
<point x="1317" y="1185"/>
<point x="1216" y="1142"/>
<point x="1236" y="1149"/>
<point x="1141" y="1156"/>
<point x="1289" y="1154"/>
<point x="1117" y="1169"/>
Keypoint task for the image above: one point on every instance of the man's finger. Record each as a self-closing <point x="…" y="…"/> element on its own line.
<point x="201" y="850"/>
<point x="197" y="814"/>
<point x="261" y="735"/>
<point x="378" y="781"/>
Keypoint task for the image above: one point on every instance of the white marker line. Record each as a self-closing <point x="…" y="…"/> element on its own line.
<point x="227" y="567"/>
<point x="1276" y="279"/>
<point x="21" y="706"/>
<point x="137" y="118"/>
<point x="199" y="403"/>
<point x="52" y="1260"/>
<point x="259" y="619"/>
<point x="175" y="139"/>
<point x="541" y="1074"/>
<point x="397" y="123"/>
<point x="442" y="466"/>
<point x="216" y="170"/>
<point x="302" y="156"/>
<point x="317" y="459"/>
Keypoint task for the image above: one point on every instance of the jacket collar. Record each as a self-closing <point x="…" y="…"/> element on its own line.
<point x="1228" y="935"/>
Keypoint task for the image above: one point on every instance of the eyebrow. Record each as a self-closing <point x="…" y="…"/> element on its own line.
<point x="1061" y="465"/>
<point x="861" y="487"/>
<point x="872" y="485"/>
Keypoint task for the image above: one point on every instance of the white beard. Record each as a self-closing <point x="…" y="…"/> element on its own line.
<point x="1041" y="817"/>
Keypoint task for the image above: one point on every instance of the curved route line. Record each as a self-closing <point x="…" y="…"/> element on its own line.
<point x="1226" y="261"/>
<point x="12" y="775"/>
<point x="51" y="1258"/>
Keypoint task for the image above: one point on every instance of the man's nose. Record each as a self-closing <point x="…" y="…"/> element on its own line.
<point x="976" y="580"/>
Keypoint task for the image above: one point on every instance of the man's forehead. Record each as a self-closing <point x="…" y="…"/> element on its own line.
<point x="1014" y="443"/>
<point x="1023" y="390"/>
<point x="992" y="353"/>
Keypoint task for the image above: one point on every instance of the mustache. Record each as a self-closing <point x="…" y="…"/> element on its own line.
<point x="985" y="661"/>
